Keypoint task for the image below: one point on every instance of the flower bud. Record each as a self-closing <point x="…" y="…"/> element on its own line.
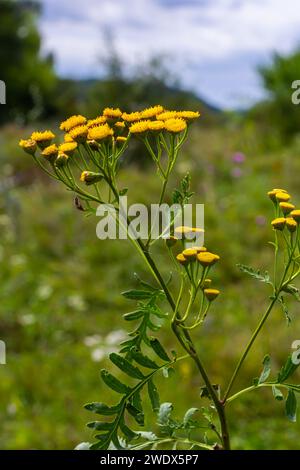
<point x="89" y="177"/>
<point x="61" y="160"/>
<point x="206" y="283"/>
<point x="171" y="241"/>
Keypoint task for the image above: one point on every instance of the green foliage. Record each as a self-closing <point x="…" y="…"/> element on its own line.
<point x="255" y="273"/>
<point x="277" y="78"/>
<point x="29" y="78"/>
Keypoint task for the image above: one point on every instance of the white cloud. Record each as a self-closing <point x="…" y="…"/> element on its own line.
<point x="199" y="35"/>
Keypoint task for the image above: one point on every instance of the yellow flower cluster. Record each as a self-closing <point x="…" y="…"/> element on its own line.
<point x="290" y="216"/>
<point x="113" y="125"/>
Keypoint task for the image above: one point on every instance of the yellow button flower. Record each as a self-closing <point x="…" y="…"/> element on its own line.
<point x="207" y="259"/>
<point x="282" y="197"/>
<point x="175" y="125"/>
<point x="97" y="121"/>
<point x="296" y="215"/>
<point x="182" y="259"/>
<point x="99" y="133"/>
<point x="156" y="125"/>
<point x="190" y="253"/>
<point x="291" y="224"/>
<point x="211" y="294"/>
<point x="286" y="207"/>
<point x="131" y="117"/>
<point x="112" y="113"/>
<point x="278" y="223"/>
<point x="188" y="115"/>
<point x="43" y="139"/>
<point x="151" y="112"/>
<point x="71" y="122"/>
<point x="50" y="152"/>
<point x="139" y="127"/>
<point x="29" y="146"/>
<point x="79" y="134"/>
<point x="68" y="148"/>
<point x="165" y="115"/>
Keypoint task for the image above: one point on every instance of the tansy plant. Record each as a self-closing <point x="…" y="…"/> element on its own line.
<point x="87" y="161"/>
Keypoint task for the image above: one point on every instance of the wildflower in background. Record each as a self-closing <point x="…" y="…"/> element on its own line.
<point x="79" y="134"/>
<point x="43" y="139"/>
<point x="260" y="220"/>
<point x="211" y="294"/>
<point x="175" y="125"/>
<point x="156" y="125"/>
<point x="278" y="223"/>
<point x="188" y="115"/>
<point x="68" y="148"/>
<point x="29" y="146"/>
<point x="100" y="132"/>
<point x="182" y="259"/>
<point x="71" y="122"/>
<point x="282" y="196"/>
<point x="286" y="207"/>
<point x="112" y="113"/>
<point x="236" y="172"/>
<point x="96" y="122"/>
<point x="151" y="112"/>
<point x="61" y="160"/>
<point x="89" y="177"/>
<point x="139" y="127"/>
<point x="238" y="157"/>
<point x="131" y="117"/>
<point x="50" y="152"/>
<point x="296" y="215"/>
<point x="291" y="224"/>
<point x="207" y="259"/>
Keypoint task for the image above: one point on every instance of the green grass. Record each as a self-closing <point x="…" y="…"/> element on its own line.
<point x="61" y="308"/>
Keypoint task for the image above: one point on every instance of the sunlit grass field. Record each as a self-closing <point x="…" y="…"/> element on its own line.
<point x="61" y="306"/>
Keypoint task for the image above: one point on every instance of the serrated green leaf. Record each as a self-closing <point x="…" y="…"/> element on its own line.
<point x="158" y="349"/>
<point x="284" y="309"/>
<point x="114" y="383"/>
<point x="287" y="370"/>
<point x="102" y="408"/>
<point x="153" y="395"/>
<point x="255" y="273"/>
<point x="293" y="290"/>
<point x="135" y="294"/>
<point x="277" y="393"/>
<point x="137" y="414"/>
<point x="133" y="315"/>
<point x="125" y="366"/>
<point x="189" y="415"/>
<point x="100" y="426"/>
<point x="164" y="413"/>
<point x="266" y="370"/>
<point x="128" y="433"/>
<point x="144" y="360"/>
<point x="291" y="406"/>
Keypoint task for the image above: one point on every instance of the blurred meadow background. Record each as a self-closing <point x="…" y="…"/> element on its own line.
<point x="61" y="307"/>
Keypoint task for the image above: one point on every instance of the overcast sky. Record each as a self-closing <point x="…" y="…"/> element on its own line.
<point x="213" y="46"/>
